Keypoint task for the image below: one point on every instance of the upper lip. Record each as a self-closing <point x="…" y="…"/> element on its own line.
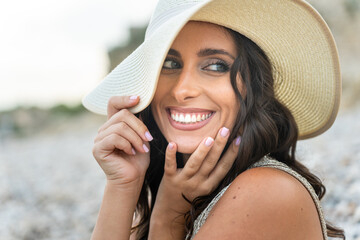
<point x="189" y="110"/>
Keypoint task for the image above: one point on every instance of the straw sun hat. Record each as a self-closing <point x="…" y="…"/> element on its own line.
<point x="294" y="36"/>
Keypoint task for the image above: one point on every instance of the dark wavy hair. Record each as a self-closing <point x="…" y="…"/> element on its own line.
<point x="266" y="127"/>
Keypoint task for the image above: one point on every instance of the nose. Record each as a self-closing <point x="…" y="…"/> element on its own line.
<point x="186" y="86"/>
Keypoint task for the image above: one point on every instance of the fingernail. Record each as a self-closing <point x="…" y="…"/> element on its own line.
<point x="171" y="146"/>
<point x="132" y="98"/>
<point x="209" y="141"/>
<point x="133" y="151"/>
<point x="238" y="141"/>
<point x="148" y="136"/>
<point x="224" y="132"/>
<point x="145" y="148"/>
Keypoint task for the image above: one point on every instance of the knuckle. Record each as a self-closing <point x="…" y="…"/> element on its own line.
<point x="210" y="161"/>
<point x="112" y="138"/>
<point x="124" y="112"/>
<point x="127" y="147"/>
<point x="226" y="165"/>
<point x="168" y="169"/>
<point x="102" y="127"/>
<point x="204" y="189"/>
<point x="121" y="126"/>
<point x="209" y="187"/>
<point x="95" y="151"/>
<point x="142" y="127"/>
<point x="202" y="151"/>
<point x="220" y="143"/>
<point x="119" y="116"/>
<point x="112" y="101"/>
<point x="192" y="166"/>
<point x="138" y="141"/>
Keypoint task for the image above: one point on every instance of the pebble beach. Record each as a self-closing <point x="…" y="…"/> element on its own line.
<point x="51" y="187"/>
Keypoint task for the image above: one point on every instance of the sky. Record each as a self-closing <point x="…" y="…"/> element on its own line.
<point x="55" y="51"/>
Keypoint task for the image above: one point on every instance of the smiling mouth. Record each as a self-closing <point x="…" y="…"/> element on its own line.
<point x="189" y="119"/>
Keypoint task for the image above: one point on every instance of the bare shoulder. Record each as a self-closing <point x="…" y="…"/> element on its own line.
<point x="263" y="203"/>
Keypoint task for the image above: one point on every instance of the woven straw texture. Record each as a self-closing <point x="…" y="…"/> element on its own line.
<point x="296" y="39"/>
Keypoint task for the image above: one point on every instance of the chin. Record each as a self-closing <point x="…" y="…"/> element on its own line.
<point x="186" y="144"/>
<point x="186" y="149"/>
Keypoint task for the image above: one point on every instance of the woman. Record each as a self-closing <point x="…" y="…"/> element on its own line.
<point x="222" y="97"/>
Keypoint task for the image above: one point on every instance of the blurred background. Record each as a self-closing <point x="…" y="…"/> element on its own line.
<point x="53" y="52"/>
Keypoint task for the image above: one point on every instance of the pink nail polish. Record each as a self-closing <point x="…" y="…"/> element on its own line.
<point x="209" y="141"/>
<point x="133" y="151"/>
<point x="133" y="98"/>
<point x="145" y="148"/>
<point x="148" y="136"/>
<point x="238" y="141"/>
<point x="171" y="146"/>
<point x="224" y="132"/>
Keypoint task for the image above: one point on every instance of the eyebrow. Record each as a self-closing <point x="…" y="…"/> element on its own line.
<point x="210" y="51"/>
<point x="203" y="52"/>
<point x="174" y="53"/>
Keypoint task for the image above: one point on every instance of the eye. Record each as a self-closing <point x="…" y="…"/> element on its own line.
<point x="217" y="65"/>
<point x="171" y="64"/>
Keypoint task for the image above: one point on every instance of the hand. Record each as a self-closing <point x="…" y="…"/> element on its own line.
<point x="200" y="176"/>
<point x="121" y="147"/>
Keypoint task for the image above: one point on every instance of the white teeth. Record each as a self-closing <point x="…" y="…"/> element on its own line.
<point x="193" y="118"/>
<point x="189" y="118"/>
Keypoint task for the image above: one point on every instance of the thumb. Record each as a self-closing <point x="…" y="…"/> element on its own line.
<point x="170" y="159"/>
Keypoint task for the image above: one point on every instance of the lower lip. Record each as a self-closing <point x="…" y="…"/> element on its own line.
<point x="188" y="126"/>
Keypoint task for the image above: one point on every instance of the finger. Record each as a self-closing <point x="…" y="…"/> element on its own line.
<point x="131" y="120"/>
<point x="123" y="130"/>
<point x="214" y="155"/>
<point x="196" y="159"/>
<point x="117" y="103"/>
<point x="109" y="144"/>
<point x="170" y="159"/>
<point x="225" y="163"/>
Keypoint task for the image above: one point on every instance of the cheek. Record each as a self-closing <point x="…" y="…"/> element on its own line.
<point x="228" y="103"/>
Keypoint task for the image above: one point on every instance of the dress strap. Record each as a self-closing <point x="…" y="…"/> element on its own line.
<point x="200" y="220"/>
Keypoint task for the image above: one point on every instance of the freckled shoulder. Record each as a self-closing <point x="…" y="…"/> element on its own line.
<point x="263" y="203"/>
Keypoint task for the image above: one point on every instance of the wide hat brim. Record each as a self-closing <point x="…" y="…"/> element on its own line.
<point x="294" y="36"/>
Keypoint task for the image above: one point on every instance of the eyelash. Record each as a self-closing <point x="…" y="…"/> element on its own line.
<point x="173" y="60"/>
<point x="222" y="63"/>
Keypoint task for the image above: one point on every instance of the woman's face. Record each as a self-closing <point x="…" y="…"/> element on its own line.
<point x="194" y="97"/>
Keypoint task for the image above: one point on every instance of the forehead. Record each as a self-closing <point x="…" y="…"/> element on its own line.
<point x="199" y="35"/>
